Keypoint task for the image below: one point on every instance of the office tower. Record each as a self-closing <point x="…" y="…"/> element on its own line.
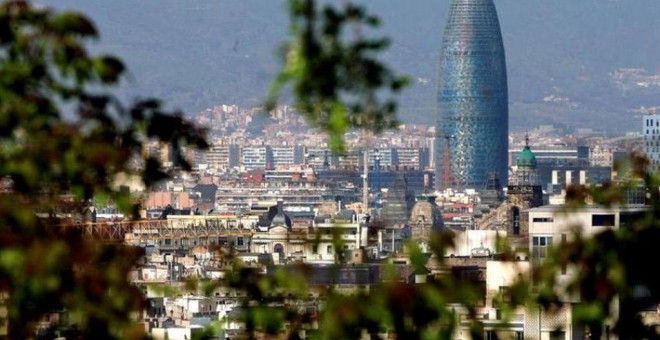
<point x="472" y="127"/>
<point x="651" y="133"/>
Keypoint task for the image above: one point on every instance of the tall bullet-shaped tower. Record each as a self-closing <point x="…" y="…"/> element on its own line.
<point x="473" y="114"/>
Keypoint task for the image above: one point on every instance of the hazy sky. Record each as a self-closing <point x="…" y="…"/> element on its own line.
<point x="198" y="52"/>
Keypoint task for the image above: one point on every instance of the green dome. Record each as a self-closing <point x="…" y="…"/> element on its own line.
<point x="526" y="158"/>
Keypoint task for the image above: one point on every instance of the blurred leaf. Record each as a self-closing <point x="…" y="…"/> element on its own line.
<point x="71" y="22"/>
<point x="109" y="69"/>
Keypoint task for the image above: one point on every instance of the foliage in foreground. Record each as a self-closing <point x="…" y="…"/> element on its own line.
<point x="614" y="279"/>
<point x="338" y="83"/>
<point x="64" y="139"/>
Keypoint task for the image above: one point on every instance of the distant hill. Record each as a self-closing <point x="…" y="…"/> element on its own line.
<point x="197" y="53"/>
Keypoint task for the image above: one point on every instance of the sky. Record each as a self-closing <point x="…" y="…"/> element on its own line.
<point x="198" y="53"/>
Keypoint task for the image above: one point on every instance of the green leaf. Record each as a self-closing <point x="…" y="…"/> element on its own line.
<point x="108" y="69"/>
<point x="74" y="23"/>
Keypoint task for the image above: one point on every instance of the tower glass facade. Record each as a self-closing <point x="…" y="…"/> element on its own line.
<point x="472" y="126"/>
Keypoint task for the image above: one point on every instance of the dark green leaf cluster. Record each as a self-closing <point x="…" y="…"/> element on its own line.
<point x="64" y="140"/>
<point x="338" y="83"/>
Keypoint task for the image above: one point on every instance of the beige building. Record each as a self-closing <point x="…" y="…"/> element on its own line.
<point x="552" y="226"/>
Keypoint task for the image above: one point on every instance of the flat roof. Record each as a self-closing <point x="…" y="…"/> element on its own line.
<point x="590" y="208"/>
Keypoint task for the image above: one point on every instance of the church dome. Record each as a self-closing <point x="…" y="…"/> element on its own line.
<point x="526" y="158"/>
<point x="281" y="219"/>
<point x="426" y="213"/>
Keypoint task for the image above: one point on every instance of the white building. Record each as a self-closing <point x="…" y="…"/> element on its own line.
<point x="385" y="156"/>
<point x="413" y="158"/>
<point x="651" y="133"/>
<point x="601" y="156"/>
<point x="284" y="156"/>
<point x="551" y="226"/>
<point x="348" y="230"/>
<point x="256" y="157"/>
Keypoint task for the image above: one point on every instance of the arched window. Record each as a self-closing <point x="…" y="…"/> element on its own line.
<point x="279" y="248"/>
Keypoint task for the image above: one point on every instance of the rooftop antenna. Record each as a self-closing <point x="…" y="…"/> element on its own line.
<point x="365" y="174"/>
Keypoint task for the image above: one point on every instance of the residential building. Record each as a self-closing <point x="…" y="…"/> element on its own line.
<point x="285" y="156"/>
<point x="551" y="226"/>
<point x="412" y="158"/>
<point x="256" y="157"/>
<point x="222" y="156"/>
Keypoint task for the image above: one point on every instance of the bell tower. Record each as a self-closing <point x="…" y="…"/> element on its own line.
<point x="523" y="191"/>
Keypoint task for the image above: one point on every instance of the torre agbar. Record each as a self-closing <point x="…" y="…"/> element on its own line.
<point x="472" y="126"/>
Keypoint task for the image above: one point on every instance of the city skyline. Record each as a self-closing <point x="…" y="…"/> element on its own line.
<point x="302" y="220"/>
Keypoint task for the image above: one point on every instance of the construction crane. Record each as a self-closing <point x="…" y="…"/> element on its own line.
<point x="445" y="175"/>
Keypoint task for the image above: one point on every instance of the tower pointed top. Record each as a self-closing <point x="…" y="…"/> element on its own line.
<point x="526" y="139"/>
<point x="526" y="158"/>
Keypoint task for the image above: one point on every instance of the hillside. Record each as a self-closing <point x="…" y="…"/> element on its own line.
<point x="197" y="53"/>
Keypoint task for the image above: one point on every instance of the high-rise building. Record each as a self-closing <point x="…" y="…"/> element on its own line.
<point x="284" y="156"/>
<point x="256" y="157"/>
<point x="651" y="133"/>
<point x="472" y="126"/>
<point x="222" y="156"/>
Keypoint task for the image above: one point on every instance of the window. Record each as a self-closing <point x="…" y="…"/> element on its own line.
<point x="542" y="219"/>
<point x="503" y="297"/>
<point x="557" y="335"/>
<point x="602" y="220"/>
<point x="329" y="250"/>
<point x="515" y="220"/>
<point x="240" y="241"/>
<point x="628" y="218"/>
<point x="540" y="246"/>
<point x="491" y="335"/>
<point x="315" y="249"/>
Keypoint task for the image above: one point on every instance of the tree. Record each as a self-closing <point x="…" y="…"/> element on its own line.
<point x="64" y="139"/>
<point x="338" y="83"/>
